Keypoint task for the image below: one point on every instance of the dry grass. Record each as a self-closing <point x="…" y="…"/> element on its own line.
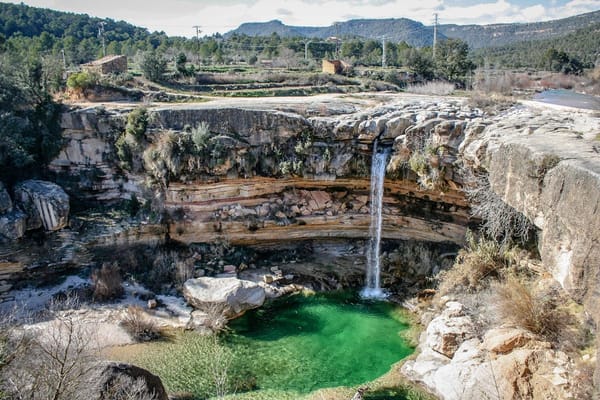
<point x="490" y="104"/>
<point x="481" y="260"/>
<point x="139" y="325"/>
<point x="107" y="283"/>
<point x="216" y="320"/>
<point x="539" y="311"/>
<point x="502" y="82"/>
<point x="436" y="88"/>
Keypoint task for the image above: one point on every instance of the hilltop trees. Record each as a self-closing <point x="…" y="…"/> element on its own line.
<point x="452" y="62"/>
<point x="29" y="131"/>
<point x="560" y="61"/>
<point x="154" y="66"/>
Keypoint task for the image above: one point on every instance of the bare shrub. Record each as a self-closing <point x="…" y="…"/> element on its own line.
<point x="437" y="88"/>
<point x="139" y="325"/>
<point x="501" y="222"/>
<point x="171" y="267"/>
<point x="220" y="362"/>
<point x="107" y="282"/>
<point x="127" y="388"/>
<point x="538" y="311"/>
<point x="480" y="260"/>
<point x="57" y="363"/>
<point x="490" y="104"/>
<point x="215" y="317"/>
<point x="558" y="81"/>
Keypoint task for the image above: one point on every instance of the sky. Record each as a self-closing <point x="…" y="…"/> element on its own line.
<point x="177" y="17"/>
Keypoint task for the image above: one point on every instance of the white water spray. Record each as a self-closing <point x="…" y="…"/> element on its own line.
<point x="372" y="287"/>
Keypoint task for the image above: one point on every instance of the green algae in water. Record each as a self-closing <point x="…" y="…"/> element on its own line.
<point x="306" y="343"/>
<point x="292" y="346"/>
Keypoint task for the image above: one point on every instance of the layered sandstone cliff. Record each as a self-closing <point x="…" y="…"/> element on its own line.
<point x="279" y="174"/>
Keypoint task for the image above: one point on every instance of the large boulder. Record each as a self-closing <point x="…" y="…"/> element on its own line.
<point x="449" y="330"/>
<point x="232" y="296"/>
<point x="13" y="224"/>
<point x="126" y="381"/>
<point x="45" y="203"/>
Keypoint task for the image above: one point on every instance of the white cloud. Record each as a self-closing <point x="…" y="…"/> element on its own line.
<point x="176" y="17"/>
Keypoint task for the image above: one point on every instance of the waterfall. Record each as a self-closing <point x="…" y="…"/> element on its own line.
<point x="372" y="287"/>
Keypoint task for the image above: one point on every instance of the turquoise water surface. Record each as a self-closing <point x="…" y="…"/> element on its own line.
<point x="304" y="343"/>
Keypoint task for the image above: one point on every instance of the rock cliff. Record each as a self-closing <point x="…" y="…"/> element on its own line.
<point x="292" y="174"/>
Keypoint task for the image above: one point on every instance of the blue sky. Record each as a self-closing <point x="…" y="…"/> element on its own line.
<point x="176" y="17"/>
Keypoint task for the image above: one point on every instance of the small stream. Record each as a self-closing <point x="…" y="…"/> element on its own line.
<point x="568" y="98"/>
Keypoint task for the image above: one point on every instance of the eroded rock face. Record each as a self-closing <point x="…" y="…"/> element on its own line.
<point x="45" y="203"/>
<point x="229" y="296"/>
<point x="509" y="364"/>
<point x="5" y="200"/>
<point x="13" y="224"/>
<point x="449" y="330"/>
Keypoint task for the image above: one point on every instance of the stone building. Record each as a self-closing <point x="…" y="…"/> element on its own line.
<point x="107" y="65"/>
<point x="335" y="66"/>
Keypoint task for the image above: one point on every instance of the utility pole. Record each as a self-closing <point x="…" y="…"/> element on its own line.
<point x="383" y="59"/>
<point x="64" y="59"/>
<point x="101" y="35"/>
<point x="435" y="24"/>
<point x="337" y="40"/>
<point x="306" y="49"/>
<point x="197" y="28"/>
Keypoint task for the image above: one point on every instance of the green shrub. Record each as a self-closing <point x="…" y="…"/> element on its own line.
<point x="480" y="260"/>
<point x="137" y="123"/>
<point x="130" y="141"/>
<point x="154" y="66"/>
<point x="82" y="80"/>
<point x="201" y="136"/>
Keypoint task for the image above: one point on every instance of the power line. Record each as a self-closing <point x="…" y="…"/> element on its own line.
<point x="435" y="25"/>
<point x="383" y="59"/>
<point x="197" y="27"/>
<point x="101" y="35"/>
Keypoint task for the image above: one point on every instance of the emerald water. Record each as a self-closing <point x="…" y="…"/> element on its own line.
<point x="295" y="345"/>
<point x="306" y="343"/>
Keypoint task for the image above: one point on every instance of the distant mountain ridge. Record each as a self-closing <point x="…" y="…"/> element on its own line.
<point x="417" y="34"/>
<point x="396" y="29"/>
<point x="479" y="36"/>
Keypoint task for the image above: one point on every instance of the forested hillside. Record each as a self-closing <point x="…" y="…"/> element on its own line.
<point x="34" y="30"/>
<point x="419" y="35"/>
<point x="480" y="36"/>
<point x="584" y="44"/>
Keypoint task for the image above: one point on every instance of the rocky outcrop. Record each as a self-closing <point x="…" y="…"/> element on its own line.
<point x="36" y="204"/>
<point x="449" y="330"/>
<point x="5" y="200"/>
<point x="13" y="224"/>
<point x="508" y="364"/>
<point x="45" y="203"/>
<point x="117" y="380"/>
<point x="230" y="296"/>
<point x="545" y="163"/>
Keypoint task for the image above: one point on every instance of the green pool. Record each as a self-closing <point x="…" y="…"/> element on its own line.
<point x="306" y="343"/>
<point x="295" y="345"/>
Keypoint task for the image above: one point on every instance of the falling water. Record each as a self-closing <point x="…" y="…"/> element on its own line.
<point x="372" y="287"/>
